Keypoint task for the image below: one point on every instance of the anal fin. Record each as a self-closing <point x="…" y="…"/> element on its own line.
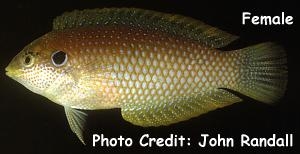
<point x="177" y="109"/>
<point x="77" y="120"/>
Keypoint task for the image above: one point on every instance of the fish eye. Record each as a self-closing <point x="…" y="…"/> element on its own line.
<point x="28" y="60"/>
<point x="59" y="58"/>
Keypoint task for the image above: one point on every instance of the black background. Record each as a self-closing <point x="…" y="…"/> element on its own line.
<point x="30" y="123"/>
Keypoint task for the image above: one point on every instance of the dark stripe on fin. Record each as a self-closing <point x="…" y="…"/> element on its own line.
<point x="173" y="24"/>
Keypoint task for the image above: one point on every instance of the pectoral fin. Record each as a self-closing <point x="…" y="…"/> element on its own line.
<point x="77" y="120"/>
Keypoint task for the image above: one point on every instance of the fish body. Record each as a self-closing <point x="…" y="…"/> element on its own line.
<point x="157" y="68"/>
<point x="123" y="65"/>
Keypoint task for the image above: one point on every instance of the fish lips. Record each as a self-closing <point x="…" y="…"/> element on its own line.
<point x="10" y="72"/>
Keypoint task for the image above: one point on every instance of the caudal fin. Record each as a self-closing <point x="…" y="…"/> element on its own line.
<point x="263" y="73"/>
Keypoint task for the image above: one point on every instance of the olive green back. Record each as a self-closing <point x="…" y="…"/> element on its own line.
<point x="172" y="24"/>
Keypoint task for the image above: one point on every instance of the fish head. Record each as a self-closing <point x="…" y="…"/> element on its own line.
<point x="38" y="66"/>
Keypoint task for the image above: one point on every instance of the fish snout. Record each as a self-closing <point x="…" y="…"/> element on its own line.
<point x="11" y="70"/>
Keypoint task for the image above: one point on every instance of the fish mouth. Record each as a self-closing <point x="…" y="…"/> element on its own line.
<point x="9" y="72"/>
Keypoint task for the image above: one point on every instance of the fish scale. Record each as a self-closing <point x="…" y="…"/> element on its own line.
<point x="158" y="68"/>
<point x="167" y="71"/>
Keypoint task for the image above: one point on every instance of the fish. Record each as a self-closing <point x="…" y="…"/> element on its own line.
<point x="157" y="68"/>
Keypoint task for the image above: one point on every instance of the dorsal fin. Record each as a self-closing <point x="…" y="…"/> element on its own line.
<point x="173" y="24"/>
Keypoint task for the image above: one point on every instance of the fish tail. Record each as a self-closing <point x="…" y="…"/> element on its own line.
<point x="264" y="73"/>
